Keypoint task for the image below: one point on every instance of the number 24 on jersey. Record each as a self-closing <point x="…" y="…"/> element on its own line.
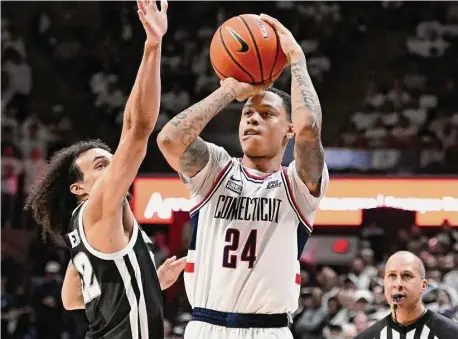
<point x="232" y="239"/>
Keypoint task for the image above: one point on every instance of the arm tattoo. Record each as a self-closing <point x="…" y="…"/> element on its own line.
<point x="192" y="121"/>
<point x="307" y="119"/>
<point x="178" y="119"/>
<point x="304" y="94"/>
<point x="195" y="157"/>
<point x="309" y="156"/>
<point x="183" y="130"/>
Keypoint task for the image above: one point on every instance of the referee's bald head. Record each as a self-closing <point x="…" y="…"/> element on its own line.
<point x="404" y="279"/>
<point x="409" y="256"/>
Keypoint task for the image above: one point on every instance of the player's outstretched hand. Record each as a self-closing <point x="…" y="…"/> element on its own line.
<point x="154" y="20"/>
<point x="288" y="43"/>
<point x="170" y="270"/>
<point x="243" y="90"/>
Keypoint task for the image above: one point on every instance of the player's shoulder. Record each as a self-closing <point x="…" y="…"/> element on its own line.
<point x="371" y="332"/>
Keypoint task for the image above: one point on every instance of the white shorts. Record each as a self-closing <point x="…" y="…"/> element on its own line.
<point x="202" y="330"/>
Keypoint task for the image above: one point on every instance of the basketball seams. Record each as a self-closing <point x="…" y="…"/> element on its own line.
<point x="232" y="57"/>
<point x="217" y="70"/>
<point x="274" y="75"/>
<point x="255" y="47"/>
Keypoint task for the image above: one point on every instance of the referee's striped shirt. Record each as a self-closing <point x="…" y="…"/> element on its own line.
<point x="430" y="326"/>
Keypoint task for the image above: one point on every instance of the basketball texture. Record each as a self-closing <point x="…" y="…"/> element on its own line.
<point x="248" y="50"/>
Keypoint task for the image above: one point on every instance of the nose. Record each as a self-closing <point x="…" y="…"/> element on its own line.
<point x="397" y="284"/>
<point x="253" y="119"/>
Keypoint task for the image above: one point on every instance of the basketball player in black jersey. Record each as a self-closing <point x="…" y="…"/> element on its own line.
<point x="81" y="199"/>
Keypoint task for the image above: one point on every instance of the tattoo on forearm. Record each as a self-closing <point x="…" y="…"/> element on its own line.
<point x="195" y="157"/>
<point x="178" y="119"/>
<point x="192" y="121"/>
<point x="308" y="150"/>
<point x="302" y="84"/>
<point x="309" y="156"/>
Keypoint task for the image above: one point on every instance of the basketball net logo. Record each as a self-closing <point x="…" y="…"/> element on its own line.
<point x="243" y="45"/>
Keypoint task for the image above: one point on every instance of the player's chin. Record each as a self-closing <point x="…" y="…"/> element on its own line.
<point x="254" y="148"/>
<point x="254" y="141"/>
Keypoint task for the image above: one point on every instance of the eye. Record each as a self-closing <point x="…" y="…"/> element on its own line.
<point x="406" y="276"/>
<point x="247" y="113"/>
<point x="101" y="165"/>
<point x="392" y="275"/>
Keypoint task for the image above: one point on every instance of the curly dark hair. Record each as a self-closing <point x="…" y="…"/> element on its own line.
<point x="50" y="200"/>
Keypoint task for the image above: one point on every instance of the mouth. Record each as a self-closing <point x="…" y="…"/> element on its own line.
<point x="249" y="133"/>
<point x="397" y="298"/>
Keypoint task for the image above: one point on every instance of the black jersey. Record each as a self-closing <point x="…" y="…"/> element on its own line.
<point x="430" y="326"/>
<point x="121" y="290"/>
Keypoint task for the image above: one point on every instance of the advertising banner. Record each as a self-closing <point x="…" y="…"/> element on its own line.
<point x="433" y="199"/>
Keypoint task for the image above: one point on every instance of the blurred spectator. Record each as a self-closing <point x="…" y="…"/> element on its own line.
<point x="19" y="73"/>
<point x="12" y="39"/>
<point x="11" y="170"/>
<point x="176" y="100"/>
<point x="110" y="101"/>
<point x="310" y="322"/>
<point x="361" y="322"/>
<point x="100" y="80"/>
<point x="49" y="304"/>
<point x="33" y="167"/>
<point x="34" y="137"/>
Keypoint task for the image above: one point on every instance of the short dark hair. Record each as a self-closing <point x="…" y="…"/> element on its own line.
<point x="50" y="200"/>
<point x="286" y="100"/>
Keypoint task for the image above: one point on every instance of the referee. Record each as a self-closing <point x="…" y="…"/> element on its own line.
<point x="409" y="318"/>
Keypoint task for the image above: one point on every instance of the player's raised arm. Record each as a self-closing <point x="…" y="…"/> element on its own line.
<point x="140" y="116"/>
<point x="306" y="111"/>
<point x="179" y="139"/>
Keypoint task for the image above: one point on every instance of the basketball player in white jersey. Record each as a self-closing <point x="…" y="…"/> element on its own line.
<point x="252" y="217"/>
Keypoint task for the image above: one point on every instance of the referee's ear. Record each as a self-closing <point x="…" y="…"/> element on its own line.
<point x="424" y="285"/>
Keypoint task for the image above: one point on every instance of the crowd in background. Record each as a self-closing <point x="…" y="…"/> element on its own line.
<point x="385" y="73"/>
<point x="339" y="302"/>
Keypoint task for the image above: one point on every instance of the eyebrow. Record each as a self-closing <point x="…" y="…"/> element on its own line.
<point x="405" y="271"/>
<point x="98" y="157"/>
<point x="263" y="105"/>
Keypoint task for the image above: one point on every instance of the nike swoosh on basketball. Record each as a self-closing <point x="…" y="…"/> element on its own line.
<point x="232" y="178"/>
<point x="243" y="45"/>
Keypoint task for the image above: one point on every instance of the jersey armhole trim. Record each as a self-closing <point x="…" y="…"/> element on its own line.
<point x="101" y="255"/>
<point x="215" y="185"/>
<point x="292" y="200"/>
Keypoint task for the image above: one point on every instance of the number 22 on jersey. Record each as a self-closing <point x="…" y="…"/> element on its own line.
<point x="232" y="238"/>
<point x="89" y="283"/>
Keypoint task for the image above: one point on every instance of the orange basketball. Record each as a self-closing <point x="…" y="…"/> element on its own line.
<point x="248" y="50"/>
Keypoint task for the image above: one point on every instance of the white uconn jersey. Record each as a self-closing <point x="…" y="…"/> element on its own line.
<point x="249" y="230"/>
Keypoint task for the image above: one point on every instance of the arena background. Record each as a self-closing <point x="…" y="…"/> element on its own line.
<point x="386" y="74"/>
